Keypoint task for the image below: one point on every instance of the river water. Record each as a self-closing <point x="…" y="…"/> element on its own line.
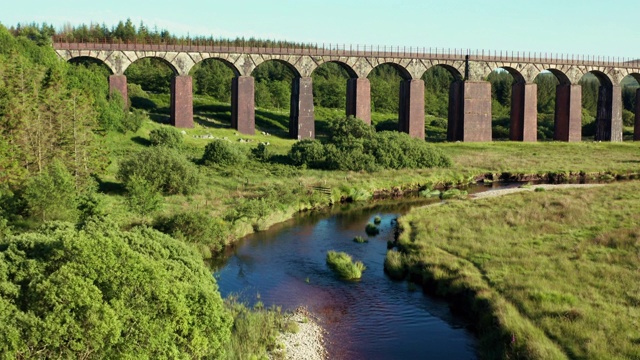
<point x="373" y="318"/>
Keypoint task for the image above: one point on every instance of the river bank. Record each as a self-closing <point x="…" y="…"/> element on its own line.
<point x="541" y="274"/>
<point x="307" y="343"/>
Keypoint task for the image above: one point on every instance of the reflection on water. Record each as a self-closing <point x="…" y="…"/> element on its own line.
<point x="373" y="318"/>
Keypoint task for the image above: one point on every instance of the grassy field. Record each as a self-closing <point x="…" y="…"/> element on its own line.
<point x="544" y="275"/>
<point x="273" y="191"/>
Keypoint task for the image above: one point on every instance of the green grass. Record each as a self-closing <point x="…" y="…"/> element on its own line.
<point x="360" y="240"/>
<point x="271" y="192"/>
<point x="556" y="271"/>
<point x="394" y="266"/>
<point x="344" y="266"/>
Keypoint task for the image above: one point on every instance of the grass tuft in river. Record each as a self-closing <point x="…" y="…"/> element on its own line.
<point x="344" y="266"/>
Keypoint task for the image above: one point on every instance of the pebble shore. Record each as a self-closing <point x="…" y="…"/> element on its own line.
<point x="307" y="343"/>
<point x="500" y="192"/>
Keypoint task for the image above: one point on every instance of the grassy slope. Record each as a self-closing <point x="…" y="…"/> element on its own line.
<point x="548" y="274"/>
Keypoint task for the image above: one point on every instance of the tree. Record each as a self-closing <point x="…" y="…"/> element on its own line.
<point x="51" y="195"/>
<point x="104" y="293"/>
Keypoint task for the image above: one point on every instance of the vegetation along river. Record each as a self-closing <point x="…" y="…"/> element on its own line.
<point x="373" y="318"/>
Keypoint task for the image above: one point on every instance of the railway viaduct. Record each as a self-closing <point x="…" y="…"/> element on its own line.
<point x="469" y="97"/>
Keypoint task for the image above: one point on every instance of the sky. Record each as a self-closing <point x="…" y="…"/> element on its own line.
<point x="585" y="27"/>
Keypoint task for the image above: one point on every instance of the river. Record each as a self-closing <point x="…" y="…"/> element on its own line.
<point x="373" y="318"/>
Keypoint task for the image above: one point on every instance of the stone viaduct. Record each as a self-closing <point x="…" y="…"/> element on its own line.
<point x="469" y="97"/>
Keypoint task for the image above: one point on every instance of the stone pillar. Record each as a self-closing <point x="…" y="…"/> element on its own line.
<point x="119" y="83"/>
<point x="181" y="102"/>
<point x="524" y="112"/>
<point x="469" y="111"/>
<point x="568" y="115"/>
<point x="609" y="114"/>
<point x="359" y="99"/>
<point x="243" y="112"/>
<point x="411" y="110"/>
<point x="476" y="111"/>
<point x="636" y="127"/>
<point x="302" y="121"/>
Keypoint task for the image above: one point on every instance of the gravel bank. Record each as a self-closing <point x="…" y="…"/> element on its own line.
<point x="493" y="193"/>
<point x="307" y="343"/>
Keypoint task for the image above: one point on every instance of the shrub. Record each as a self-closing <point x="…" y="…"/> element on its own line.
<point x="165" y="169"/>
<point x="344" y="266"/>
<point x="628" y="118"/>
<point x="439" y="123"/>
<point x="377" y="220"/>
<point x="309" y="152"/>
<point x="196" y="227"/>
<point x="142" y="197"/>
<point x="51" y="195"/>
<point x="166" y="136"/>
<point x="371" y="229"/>
<point x="221" y="152"/>
<point x="101" y="290"/>
<point x="133" y="120"/>
<point x="394" y="266"/>
<point x="261" y="152"/>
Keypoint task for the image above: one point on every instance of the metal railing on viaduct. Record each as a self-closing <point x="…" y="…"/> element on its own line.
<point x="469" y="98"/>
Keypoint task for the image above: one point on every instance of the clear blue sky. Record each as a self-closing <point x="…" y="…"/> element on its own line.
<point x="594" y="27"/>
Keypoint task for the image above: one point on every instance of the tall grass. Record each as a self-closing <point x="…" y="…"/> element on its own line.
<point x="344" y="266"/>
<point x="544" y="275"/>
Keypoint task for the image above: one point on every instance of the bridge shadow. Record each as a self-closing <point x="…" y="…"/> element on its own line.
<point x="141" y="141"/>
<point x="213" y="115"/>
<point x="276" y="124"/>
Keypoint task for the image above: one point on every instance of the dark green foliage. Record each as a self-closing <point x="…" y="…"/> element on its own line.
<point x="371" y="229"/>
<point x="196" y="227"/>
<point x="261" y="152"/>
<point x="213" y="78"/>
<point x="152" y="74"/>
<point x="309" y="152"/>
<point x="105" y="293"/>
<point x="330" y="86"/>
<point x="142" y="196"/>
<point x="377" y="220"/>
<point x="51" y="195"/>
<point x="354" y="145"/>
<point x="166" y="136"/>
<point x="385" y="82"/>
<point x="133" y="120"/>
<point x="165" y="169"/>
<point x="222" y="152"/>
<point x="628" y="118"/>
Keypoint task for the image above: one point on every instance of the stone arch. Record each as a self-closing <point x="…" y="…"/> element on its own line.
<point x="608" y="123"/>
<point x="522" y="121"/>
<point x="289" y="65"/>
<point x="162" y="59"/>
<point x="92" y="59"/>
<point x="636" y="125"/>
<point x="228" y="63"/>
<point x="105" y="57"/>
<point x="350" y="71"/>
<point x="452" y="69"/>
<point x="563" y="79"/>
<point x="403" y="71"/>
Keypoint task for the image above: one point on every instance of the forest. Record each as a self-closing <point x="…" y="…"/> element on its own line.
<point x="106" y="213"/>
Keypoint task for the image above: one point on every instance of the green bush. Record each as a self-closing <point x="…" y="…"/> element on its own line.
<point x="354" y="145"/>
<point x="196" y="227"/>
<point x="51" y="195"/>
<point x="142" y="197"/>
<point x="222" y="152"/>
<point x="104" y="293"/>
<point x="371" y="229"/>
<point x="377" y="220"/>
<point x="165" y="169"/>
<point x="261" y="152"/>
<point x="628" y="118"/>
<point x="134" y="119"/>
<point x="394" y="266"/>
<point x="166" y="136"/>
<point x="309" y="152"/>
<point x="439" y="123"/>
<point x="343" y="265"/>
